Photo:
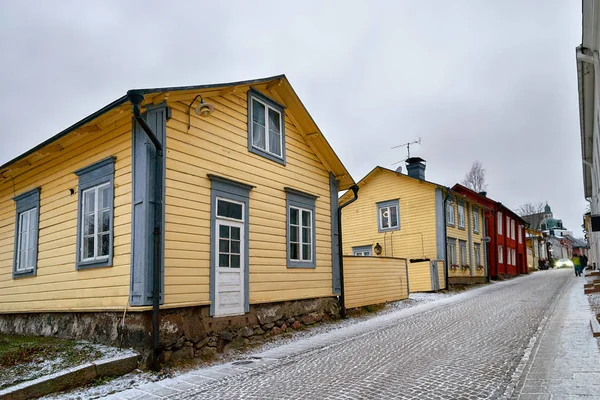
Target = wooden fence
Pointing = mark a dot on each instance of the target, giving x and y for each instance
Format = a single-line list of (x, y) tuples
[(374, 280)]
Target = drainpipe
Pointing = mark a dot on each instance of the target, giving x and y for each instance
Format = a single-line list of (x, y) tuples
[(136, 98), (354, 188), (446, 237)]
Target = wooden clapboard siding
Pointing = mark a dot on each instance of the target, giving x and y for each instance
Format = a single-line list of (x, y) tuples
[(219, 145), (463, 234), (374, 280), (416, 237), (58, 286)]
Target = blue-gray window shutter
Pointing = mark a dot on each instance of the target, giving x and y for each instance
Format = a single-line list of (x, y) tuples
[(148, 211)]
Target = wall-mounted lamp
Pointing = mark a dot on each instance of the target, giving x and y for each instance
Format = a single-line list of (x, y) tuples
[(203, 109), (378, 249)]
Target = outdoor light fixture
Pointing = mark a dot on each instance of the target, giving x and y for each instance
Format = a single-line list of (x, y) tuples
[(203, 109), (378, 249)]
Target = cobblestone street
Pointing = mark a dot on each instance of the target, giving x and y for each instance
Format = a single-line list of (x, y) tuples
[(465, 347)]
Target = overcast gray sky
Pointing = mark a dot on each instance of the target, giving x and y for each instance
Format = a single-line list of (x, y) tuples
[(489, 80)]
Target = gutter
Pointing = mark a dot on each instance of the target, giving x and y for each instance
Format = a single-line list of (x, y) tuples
[(354, 188), (136, 97), (446, 238)]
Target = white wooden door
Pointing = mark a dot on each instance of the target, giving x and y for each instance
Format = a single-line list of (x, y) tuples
[(229, 290)]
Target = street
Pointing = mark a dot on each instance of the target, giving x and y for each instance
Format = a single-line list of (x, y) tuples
[(465, 347)]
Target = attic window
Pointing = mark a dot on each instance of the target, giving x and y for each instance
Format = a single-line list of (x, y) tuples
[(266, 130)]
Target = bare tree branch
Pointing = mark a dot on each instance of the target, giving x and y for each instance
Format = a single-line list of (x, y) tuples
[(475, 179), (531, 208)]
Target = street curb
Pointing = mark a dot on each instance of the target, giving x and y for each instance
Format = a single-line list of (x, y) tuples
[(71, 378)]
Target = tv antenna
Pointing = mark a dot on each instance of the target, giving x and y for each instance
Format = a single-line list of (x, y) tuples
[(407, 145)]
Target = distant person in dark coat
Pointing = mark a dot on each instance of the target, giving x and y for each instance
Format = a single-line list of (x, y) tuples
[(584, 262)]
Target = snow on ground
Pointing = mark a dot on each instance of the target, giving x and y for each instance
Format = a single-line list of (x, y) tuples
[(40, 367), (138, 377)]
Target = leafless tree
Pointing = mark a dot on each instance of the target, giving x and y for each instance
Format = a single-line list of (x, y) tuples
[(531, 208), (475, 179)]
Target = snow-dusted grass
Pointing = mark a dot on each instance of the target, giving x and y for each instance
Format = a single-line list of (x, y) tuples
[(24, 358)]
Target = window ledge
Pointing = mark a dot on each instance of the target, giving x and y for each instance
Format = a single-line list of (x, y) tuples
[(301, 264), (266, 155), (389, 229), (94, 264), (23, 274)]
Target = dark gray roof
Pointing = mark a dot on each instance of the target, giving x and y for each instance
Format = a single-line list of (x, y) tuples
[(534, 220)]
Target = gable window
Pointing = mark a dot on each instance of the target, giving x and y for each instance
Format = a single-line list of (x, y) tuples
[(475, 220), (95, 215), (26, 233), (512, 229), (499, 223), (450, 214), (301, 229), (266, 131), (388, 215), (461, 215), (364, 251), (500, 255), (451, 251), (463, 252)]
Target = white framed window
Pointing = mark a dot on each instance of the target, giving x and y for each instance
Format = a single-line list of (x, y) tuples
[(363, 251), (450, 214), (451, 252), (499, 223), (300, 234), (477, 252), (512, 229), (26, 240), (500, 254), (301, 238), (230, 209), (96, 215), (388, 215), (514, 256), (461, 215), (462, 249), (520, 234), (475, 220), (266, 130), (26, 233), (507, 227)]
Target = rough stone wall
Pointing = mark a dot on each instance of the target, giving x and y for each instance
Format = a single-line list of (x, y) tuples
[(184, 332)]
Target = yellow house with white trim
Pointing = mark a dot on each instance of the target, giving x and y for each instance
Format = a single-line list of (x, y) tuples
[(233, 203)]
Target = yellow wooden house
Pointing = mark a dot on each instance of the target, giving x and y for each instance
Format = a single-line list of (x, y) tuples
[(405, 216), (227, 191)]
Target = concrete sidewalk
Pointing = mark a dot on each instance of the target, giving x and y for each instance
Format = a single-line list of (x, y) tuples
[(565, 360)]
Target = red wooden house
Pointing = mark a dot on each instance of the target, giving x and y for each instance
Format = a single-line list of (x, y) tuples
[(506, 250)]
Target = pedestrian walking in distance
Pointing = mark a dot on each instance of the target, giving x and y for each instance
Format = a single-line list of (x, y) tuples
[(577, 265), (584, 262)]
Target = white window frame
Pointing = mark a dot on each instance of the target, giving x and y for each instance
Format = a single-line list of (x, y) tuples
[(462, 252), (500, 254), (514, 257), (461, 216), (229, 201), (31, 238), (389, 213), (452, 213), (267, 127), (301, 243), (477, 253), (451, 253), (365, 253), (96, 233), (475, 220), (520, 233), (512, 229), (500, 219)]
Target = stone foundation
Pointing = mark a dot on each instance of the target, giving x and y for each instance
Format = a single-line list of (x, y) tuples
[(466, 280), (184, 332)]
